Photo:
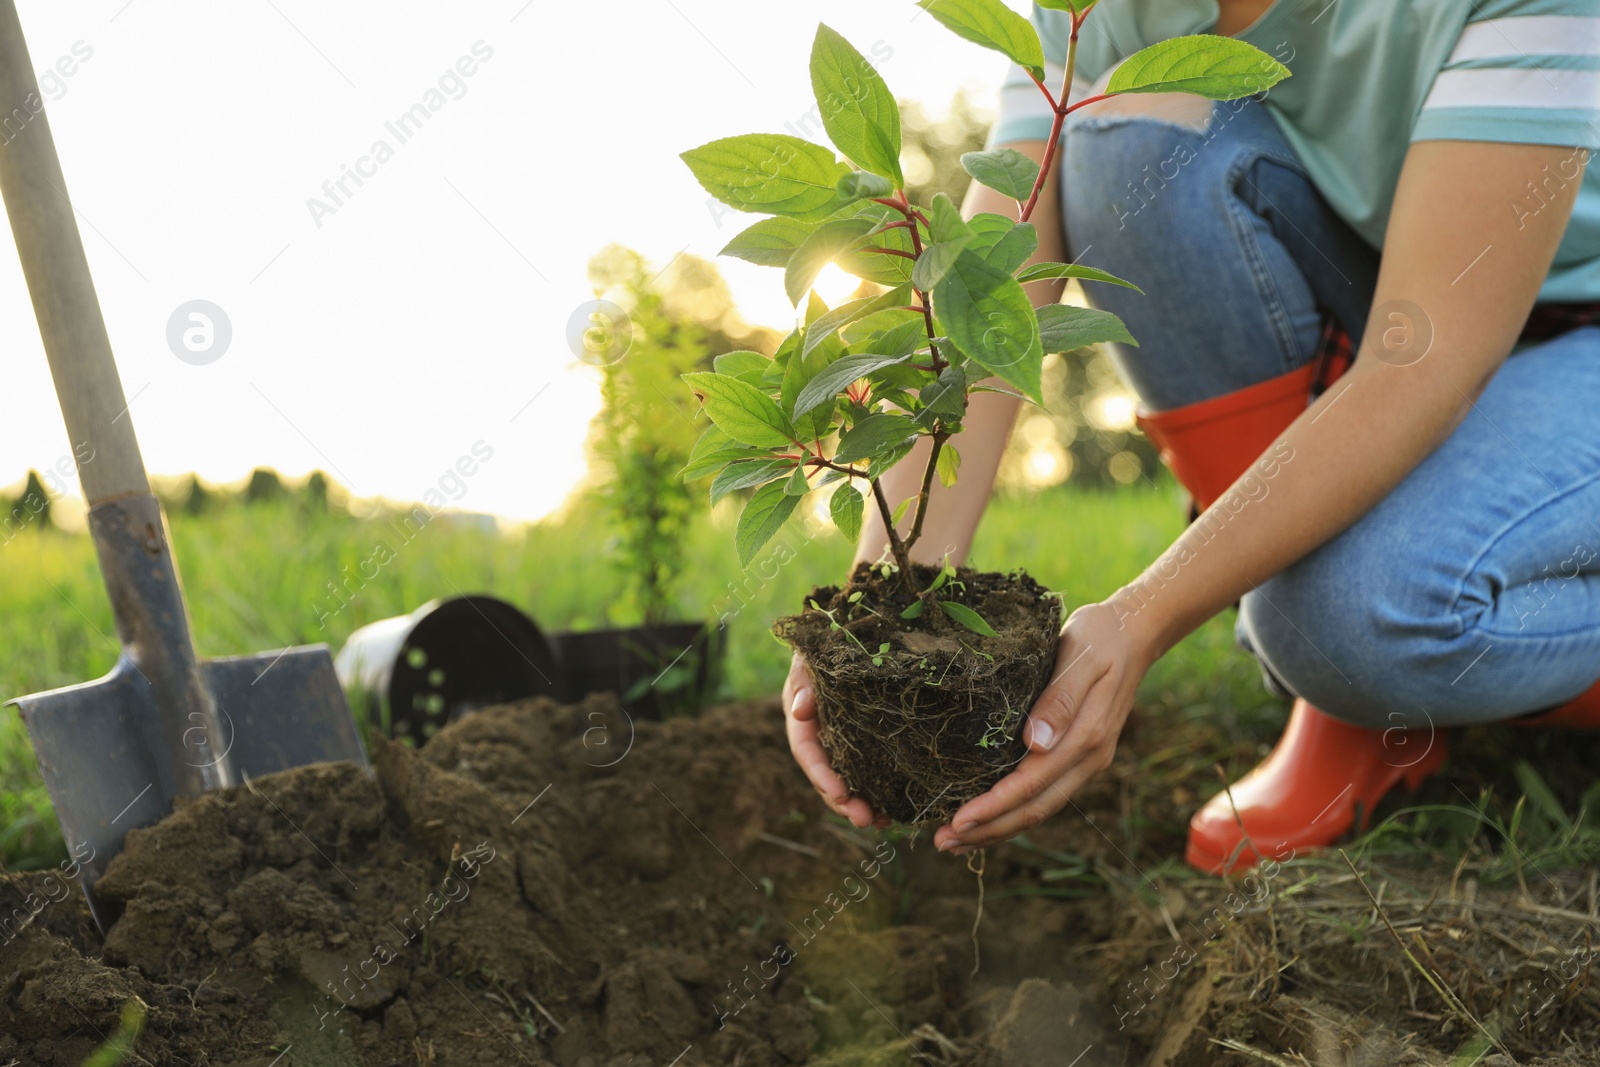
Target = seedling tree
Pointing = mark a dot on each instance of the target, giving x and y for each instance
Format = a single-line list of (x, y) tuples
[(850, 392)]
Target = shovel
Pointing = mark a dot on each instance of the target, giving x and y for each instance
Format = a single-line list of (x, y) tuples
[(116, 752)]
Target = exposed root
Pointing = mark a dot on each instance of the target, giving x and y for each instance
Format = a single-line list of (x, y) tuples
[(979, 857)]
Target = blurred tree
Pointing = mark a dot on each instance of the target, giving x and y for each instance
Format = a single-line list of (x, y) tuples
[(264, 485), (197, 499), (32, 508), (647, 423), (315, 492)]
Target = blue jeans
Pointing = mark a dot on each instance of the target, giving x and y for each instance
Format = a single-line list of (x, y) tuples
[(1471, 593)]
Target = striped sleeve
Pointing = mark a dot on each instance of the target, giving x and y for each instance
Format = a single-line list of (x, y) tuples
[(1522, 72)]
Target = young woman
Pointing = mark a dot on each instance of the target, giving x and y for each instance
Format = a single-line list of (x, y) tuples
[(1412, 535)]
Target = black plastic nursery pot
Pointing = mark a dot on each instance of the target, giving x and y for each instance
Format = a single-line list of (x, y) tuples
[(656, 671), (415, 673)]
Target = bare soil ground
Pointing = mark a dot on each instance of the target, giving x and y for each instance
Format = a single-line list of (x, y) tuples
[(553, 885)]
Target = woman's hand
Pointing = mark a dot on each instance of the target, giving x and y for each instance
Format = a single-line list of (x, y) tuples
[(1071, 732), (800, 713)]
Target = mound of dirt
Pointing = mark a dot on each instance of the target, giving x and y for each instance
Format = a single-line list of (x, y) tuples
[(552, 885)]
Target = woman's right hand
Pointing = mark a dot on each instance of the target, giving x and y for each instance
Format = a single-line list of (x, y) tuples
[(800, 714)]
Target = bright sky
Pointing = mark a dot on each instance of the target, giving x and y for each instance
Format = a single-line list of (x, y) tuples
[(428, 311)]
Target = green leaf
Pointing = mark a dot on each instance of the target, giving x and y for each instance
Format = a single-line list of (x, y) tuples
[(993, 25), (1219, 68), (900, 510), (945, 398), (769, 508), (936, 261), (968, 618), (902, 339), (1003, 169), (748, 367), (858, 111), (1041, 271), (744, 412), (1005, 243), (770, 242), (1063, 328), (816, 307), (1080, 6), (846, 507), (772, 377), (887, 392), (949, 465), (767, 172), (990, 320), (825, 325), (863, 185), (874, 436), (816, 423), (744, 474), (874, 267), (827, 243), (833, 379), (914, 611), (944, 220), (879, 464), (797, 484), (714, 450)]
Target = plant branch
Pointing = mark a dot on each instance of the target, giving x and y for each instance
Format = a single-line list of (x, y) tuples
[(1090, 100), (889, 252), (1061, 109), (939, 438), (927, 304), (901, 555), (1044, 89)]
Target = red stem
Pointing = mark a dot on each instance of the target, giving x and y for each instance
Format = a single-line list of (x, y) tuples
[(1090, 100), (1062, 108), (1043, 89)]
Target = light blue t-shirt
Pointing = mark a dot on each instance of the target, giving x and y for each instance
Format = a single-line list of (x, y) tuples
[(1372, 76)]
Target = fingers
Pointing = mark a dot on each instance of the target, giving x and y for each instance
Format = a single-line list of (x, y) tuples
[(1058, 705), (1052, 798), (1051, 721), (1044, 781), (798, 684), (800, 716)]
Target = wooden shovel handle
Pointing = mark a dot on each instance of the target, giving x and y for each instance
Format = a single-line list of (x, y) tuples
[(64, 302)]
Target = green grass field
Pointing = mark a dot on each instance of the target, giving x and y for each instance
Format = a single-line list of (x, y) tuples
[(258, 577)]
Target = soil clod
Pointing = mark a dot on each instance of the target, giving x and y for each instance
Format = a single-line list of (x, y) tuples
[(920, 715)]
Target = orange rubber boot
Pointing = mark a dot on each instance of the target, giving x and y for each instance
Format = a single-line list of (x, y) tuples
[(1324, 773), (1323, 777), (1208, 445), (1582, 712)]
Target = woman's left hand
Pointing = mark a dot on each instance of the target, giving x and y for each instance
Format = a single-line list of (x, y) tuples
[(1071, 733)]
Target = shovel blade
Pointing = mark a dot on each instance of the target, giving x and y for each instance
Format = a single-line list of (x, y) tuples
[(108, 768)]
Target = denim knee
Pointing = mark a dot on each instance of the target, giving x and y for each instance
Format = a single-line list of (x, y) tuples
[(1343, 630)]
